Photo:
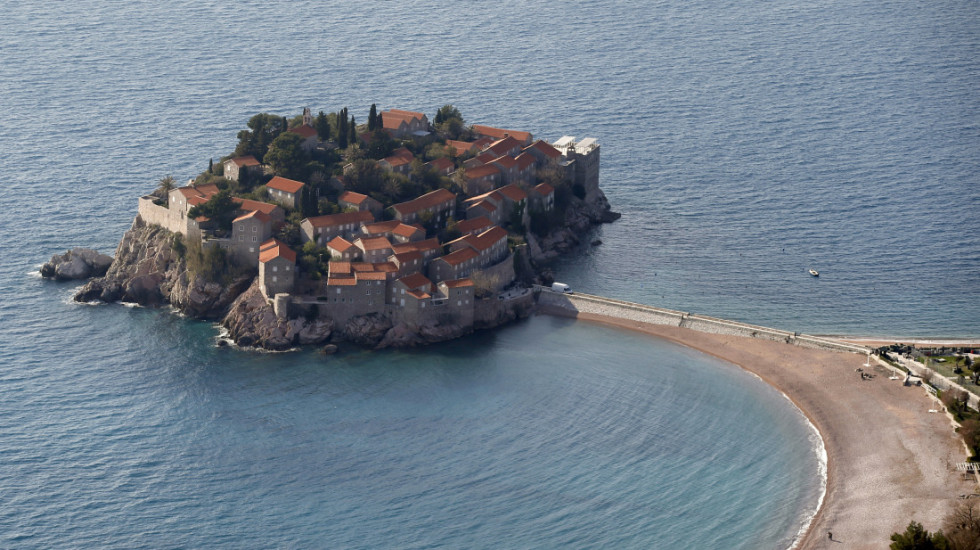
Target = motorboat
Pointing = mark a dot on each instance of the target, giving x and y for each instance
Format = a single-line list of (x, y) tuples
[(814, 272)]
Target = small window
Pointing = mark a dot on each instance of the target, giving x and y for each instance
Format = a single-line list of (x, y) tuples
[(274, 268), (254, 229), (274, 278), (254, 239), (241, 238), (338, 291), (287, 268)]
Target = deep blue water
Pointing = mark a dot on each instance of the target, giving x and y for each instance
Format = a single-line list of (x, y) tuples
[(743, 143)]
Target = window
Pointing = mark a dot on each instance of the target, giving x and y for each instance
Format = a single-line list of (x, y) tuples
[(251, 249), (287, 268), (241, 227), (273, 278), (241, 238), (338, 291), (254, 238), (274, 268)]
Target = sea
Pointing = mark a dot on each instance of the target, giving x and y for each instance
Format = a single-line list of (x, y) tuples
[(743, 142)]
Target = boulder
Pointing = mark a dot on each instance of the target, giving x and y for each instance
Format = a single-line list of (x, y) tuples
[(77, 263)]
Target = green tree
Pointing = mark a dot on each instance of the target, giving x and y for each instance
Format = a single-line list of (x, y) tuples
[(352, 131), (379, 124), (210, 166), (970, 432), (449, 122), (286, 156), (322, 126), (263, 128), (165, 186), (916, 537), (373, 118), (284, 125), (365, 176), (220, 209), (342, 133)]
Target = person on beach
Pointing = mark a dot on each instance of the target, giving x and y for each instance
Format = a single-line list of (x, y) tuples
[(830, 535)]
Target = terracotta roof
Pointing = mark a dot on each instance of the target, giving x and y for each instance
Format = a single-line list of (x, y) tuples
[(544, 189), (371, 276), (500, 133), (404, 113), (249, 204), (493, 196), (460, 256), (304, 131), (405, 230), (284, 184), (331, 220), (274, 248), (402, 152), (485, 205), (339, 268), (196, 200), (504, 146), (441, 164), (524, 160), (392, 122), (485, 157), (418, 294), (379, 228), (352, 197), (397, 161), (506, 161), (341, 281), (545, 148), (373, 243), (458, 283), (481, 171), (416, 280), (261, 216), (461, 146), (385, 267), (428, 200), (340, 244), (487, 239), (362, 266), (474, 224), (248, 160), (421, 246), (512, 192)]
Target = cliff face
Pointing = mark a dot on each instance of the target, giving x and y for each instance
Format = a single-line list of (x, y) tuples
[(251, 321), (580, 216), (148, 271)]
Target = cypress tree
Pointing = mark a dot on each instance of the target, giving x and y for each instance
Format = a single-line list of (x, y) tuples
[(373, 118), (284, 125), (379, 124), (352, 138), (439, 116), (322, 126), (342, 134), (210, 166)]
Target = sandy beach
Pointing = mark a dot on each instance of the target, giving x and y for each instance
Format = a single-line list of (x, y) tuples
[(890, 460)]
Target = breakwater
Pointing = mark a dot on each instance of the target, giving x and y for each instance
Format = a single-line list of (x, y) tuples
[(572, 304)]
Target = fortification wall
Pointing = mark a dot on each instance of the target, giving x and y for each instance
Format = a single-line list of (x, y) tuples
[(155, 214)]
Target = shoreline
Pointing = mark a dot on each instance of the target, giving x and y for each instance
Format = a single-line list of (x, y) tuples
[(889, 461)]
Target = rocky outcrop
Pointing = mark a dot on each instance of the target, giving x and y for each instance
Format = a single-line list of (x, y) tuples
[(77, 263), (149, 271), (580, 216), (251, 321), (366, 330), (404, 336), (493, 313)]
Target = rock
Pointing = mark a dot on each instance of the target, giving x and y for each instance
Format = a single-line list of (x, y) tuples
[(329, 349), (77, 263), (251, 321), (368, 330), (597, 242)]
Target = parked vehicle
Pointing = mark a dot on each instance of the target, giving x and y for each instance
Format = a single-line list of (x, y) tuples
[(561, 287)]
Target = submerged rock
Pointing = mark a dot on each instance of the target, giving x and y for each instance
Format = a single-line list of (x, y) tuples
[(77, 263)]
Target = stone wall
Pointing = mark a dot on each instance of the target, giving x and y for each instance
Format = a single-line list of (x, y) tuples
[(155, 214), (572, 304)]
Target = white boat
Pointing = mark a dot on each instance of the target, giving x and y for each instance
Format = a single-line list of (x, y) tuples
[(814, 272)]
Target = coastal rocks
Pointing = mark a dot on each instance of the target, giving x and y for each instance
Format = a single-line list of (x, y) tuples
[(367, 330), (493, 313), (149, 271), (77, 263), (251, 321), (580, 216), (404, 336)]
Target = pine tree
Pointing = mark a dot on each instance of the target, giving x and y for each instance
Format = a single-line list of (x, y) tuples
[(322, 126), (284, 125), (352, 138), (373, 118)]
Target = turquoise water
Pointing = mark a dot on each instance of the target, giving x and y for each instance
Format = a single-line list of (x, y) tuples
[(743, 143)]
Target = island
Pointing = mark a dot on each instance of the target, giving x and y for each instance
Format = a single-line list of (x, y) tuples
[(395, 233)]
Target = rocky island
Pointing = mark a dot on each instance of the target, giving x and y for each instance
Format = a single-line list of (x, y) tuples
[(317, 230)]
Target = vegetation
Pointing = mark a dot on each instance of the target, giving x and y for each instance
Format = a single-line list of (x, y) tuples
[(286, 156), (449, 122), (220, 209), (263, 128), (916, 537)]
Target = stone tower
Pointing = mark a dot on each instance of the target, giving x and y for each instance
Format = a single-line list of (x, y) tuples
[(307, 117)]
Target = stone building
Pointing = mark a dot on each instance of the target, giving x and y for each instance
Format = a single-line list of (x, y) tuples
[(439, 205), (234, 167), (322, 229), (277, 268), (285, 191)]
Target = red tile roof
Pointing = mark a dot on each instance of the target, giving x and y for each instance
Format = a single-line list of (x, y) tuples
[(402, 152), (380, 228), (331, 220), (405, 230), (486, 205), (475, 224), (500, 133), (303, 131), (410, 114), (416, 280), (458, 283), (249, 204), (341, 281), (461, 146), (405, 257), (373, 243), (261, 216), (490, 237), (371, 276), (545, 148), (481, 171), (340, 244), (339, 269), (284, 184), (247, 160), (397, 161), (524, 160), (352, 197), (421, 246), (458, 257), (485, 157), (512, 192), (428, 200), (441, 164), (274, 248), (505, 161), (544, 189), (504, 146)]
